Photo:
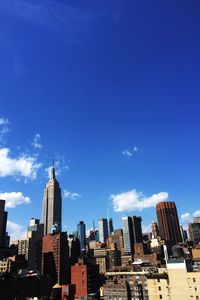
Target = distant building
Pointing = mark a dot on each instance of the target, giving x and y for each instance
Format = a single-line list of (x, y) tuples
[(110, 227), (103, 230), (23, 247), (116, 238), (168, 222), (137, 229), (127, 226), (52, 203), (74, 249), (81, 234), (154, 230), (194, 231), (34, 235), (184, 235), (55, 257)]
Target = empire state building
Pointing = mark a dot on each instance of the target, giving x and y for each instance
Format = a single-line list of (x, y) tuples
[(52, 203)]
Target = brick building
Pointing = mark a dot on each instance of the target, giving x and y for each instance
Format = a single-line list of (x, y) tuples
[(55, 257), (86, 278)]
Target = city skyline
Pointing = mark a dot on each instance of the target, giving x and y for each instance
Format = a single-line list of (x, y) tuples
[(111, 93)]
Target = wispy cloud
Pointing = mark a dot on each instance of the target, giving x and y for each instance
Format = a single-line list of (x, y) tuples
[(37, 142), (23, 166), (59, 17), (59, 164), (71, 195), (133, 200), (14, 198), (128, 153), (16, 231), (4, 129)]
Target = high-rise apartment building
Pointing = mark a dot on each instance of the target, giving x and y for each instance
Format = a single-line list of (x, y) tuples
[(81, 234), (52, 204), (103, 230), (3, 223), (168, 222), (55, 257)]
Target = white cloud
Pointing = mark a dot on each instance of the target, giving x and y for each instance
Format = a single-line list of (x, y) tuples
[(71, 195), (23, 166), (133, 200), (196, 213), (186, 217), (14, 198), (129, 152), (16, 231), (37, 142), (189, 217)]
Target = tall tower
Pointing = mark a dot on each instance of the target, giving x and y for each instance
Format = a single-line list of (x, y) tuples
[(168, 222), (103, 230), (52, 204), (81, 234)]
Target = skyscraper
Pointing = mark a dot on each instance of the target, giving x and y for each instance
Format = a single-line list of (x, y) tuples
[(103, 230), (127, 226), (3, 223), (52, 204), (137, 229), (168, 222), (81, 234)]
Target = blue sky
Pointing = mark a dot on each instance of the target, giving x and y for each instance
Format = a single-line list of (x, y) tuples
[(110, 90)]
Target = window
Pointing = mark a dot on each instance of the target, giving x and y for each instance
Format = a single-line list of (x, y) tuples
[(159, 288), (160, 296)]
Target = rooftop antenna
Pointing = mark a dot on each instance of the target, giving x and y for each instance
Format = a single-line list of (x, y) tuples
[(53, 173), (93, 224)]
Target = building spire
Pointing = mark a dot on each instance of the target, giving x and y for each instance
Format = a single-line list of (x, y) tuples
[(53, 172)]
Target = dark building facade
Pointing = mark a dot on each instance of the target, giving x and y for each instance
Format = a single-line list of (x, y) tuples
[(168, 222), (52, 204), (3, 222), (81, 234), (110, 226), (137, 229)]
